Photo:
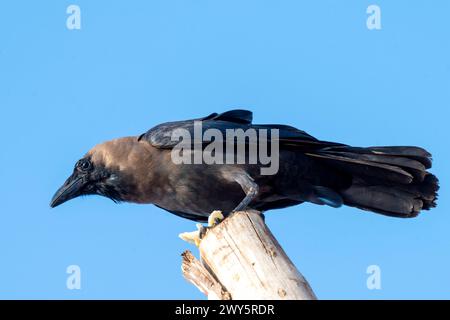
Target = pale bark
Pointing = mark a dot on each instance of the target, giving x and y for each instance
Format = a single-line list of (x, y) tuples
[(241, 259)]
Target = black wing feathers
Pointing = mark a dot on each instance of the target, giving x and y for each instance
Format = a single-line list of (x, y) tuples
[(160, 136)]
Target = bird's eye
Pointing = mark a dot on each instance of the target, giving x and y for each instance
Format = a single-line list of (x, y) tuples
[(83, 165)]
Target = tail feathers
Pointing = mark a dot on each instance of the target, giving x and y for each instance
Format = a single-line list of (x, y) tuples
[(388, 180), (394, 201), (369, 169), (408, 168), (415, 153)]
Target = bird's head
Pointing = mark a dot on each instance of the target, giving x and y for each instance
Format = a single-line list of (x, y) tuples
[(102, 171)]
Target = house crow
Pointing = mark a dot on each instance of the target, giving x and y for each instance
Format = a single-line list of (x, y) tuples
[(392, 181)]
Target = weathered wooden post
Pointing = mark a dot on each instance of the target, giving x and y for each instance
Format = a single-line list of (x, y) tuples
[(241, 259)]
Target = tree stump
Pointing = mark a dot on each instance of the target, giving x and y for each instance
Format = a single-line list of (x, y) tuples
[(241, 259)]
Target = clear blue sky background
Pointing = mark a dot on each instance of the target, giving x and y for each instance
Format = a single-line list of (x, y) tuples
[(135, 64)]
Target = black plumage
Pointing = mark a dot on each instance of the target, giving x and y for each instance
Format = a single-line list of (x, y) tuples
[(393, 181)]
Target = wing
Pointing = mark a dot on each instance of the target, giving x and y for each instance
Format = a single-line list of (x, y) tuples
[(161, 135)]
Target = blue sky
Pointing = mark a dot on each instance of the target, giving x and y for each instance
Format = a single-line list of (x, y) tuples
[(135, 64)]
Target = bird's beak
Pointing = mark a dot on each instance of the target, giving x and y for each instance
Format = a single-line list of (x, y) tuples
[(70, 189)]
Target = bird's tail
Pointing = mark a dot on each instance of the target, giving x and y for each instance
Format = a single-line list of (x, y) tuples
[(393, 181)]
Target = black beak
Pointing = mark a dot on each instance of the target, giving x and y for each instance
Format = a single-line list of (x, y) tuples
[(70, 189)]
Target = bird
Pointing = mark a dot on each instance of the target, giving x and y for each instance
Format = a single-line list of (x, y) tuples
[(389, 180)]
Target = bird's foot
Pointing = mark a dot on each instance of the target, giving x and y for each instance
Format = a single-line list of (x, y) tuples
[(215, 218), (195, 237)]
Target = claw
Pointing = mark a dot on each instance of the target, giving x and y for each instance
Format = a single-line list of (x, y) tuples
[(215, 218), (195, 237)]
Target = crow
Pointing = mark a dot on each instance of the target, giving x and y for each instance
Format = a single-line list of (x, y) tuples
[(391, 181)]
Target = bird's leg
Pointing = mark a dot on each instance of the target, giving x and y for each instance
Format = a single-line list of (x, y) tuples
[(251, 191), (250, 188)]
